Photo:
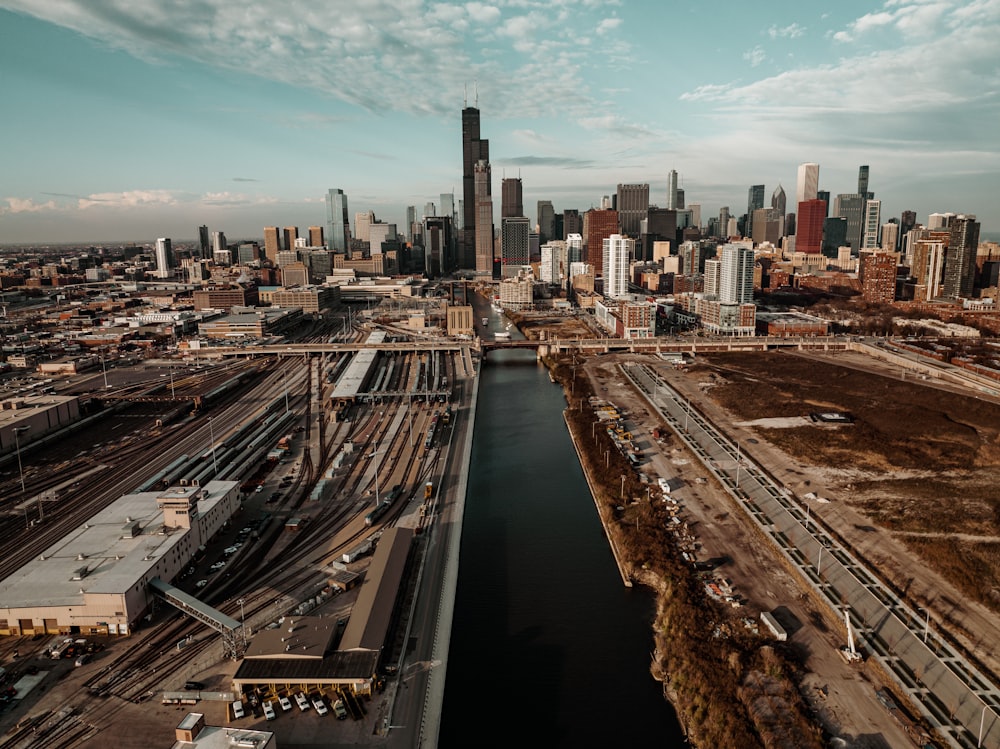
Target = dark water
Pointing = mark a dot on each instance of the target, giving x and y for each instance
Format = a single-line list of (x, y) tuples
[(548, 647)]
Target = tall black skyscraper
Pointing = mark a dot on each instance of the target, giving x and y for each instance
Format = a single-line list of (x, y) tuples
[(474, 150), (206, 250), (863, 182), (755, 200)]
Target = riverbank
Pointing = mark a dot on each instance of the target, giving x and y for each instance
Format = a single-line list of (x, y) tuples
[(729, 686)]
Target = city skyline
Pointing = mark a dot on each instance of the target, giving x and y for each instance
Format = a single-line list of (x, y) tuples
[(135, 121)]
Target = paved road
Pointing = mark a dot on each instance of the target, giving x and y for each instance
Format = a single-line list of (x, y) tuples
[(954, 697)]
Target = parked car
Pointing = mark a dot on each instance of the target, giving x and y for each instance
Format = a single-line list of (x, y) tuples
[(301, 701), (83, 659), (269, 710), (238, 710), (320, 706), (201, 583), (286, 704)]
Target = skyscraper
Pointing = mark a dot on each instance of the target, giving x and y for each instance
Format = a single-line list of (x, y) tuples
[(778, 200), (337, 226), (316, 238), (672, 190), (890, 236), (474, 150), (411, 219), (514, 252), (960, 258), (851, 206), (598, 225), (863, 182), (165, 262), (809, 226), (755, 200), (511, 201), (572, 223), (808, 182), (448, 205), (723, 230), (736, 274), (907, 221), (362, 223), (633, 206), (616, 252), (203, 241), (482, 199), (872, 224), (290, 234), (546, 216), (272, 243), (218, 243)]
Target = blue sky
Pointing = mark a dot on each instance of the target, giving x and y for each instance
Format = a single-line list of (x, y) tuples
[(129, 119)]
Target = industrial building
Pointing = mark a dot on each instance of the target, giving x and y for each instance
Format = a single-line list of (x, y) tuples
[(96, 579), (26, 419), (302, 652)]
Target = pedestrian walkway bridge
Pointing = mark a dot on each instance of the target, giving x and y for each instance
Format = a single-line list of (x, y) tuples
[(233, 633)]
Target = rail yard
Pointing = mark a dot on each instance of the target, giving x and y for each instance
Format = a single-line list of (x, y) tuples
[(327, 451)]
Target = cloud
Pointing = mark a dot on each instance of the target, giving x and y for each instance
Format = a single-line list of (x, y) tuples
[(791, 31), (608, 24), (564, 162), (616, 125), (372, 55), (245, 179), (913, 18), (755, 56), (129, 199), (26, 205)]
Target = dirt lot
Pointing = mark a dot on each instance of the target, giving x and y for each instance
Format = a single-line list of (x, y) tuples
[(904, 435)]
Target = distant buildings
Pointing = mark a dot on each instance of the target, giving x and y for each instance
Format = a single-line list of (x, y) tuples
[(617, 251), (474, 151), (633, 204), (808, 182), (165, 260)]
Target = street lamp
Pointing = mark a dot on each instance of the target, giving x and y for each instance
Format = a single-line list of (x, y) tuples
[(927, 623), (284, 381), (104, 369), (17, 447), (211, 434)]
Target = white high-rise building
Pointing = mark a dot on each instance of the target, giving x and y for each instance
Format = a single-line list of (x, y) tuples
[(890, 237), (712, 269), (552, 269), (164, 258), (617, 252), (808, 183), (672, 190), (574, 248), (736, 274), (871, 225)]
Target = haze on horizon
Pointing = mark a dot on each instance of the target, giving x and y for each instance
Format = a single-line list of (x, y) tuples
[(137, 119)]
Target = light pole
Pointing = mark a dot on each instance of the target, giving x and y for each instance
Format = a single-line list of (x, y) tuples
[(284, 381), (737, 465), (243, 621), (982, 720), (17, 447), (171, 370), (104, 369), (622, 495), (927, 624), (211, 434)]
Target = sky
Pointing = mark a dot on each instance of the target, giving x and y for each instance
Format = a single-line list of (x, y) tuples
[(127, 120)]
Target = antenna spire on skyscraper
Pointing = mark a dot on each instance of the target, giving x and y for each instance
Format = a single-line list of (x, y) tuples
[(477, 93)]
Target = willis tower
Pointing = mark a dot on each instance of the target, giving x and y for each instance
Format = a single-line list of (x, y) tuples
[(473, 150)]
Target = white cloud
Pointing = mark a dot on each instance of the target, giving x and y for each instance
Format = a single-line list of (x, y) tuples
[(367, 53), (608, 24), (26, 205), (791, 31), (129, 199), (481, 13), (755, 56)]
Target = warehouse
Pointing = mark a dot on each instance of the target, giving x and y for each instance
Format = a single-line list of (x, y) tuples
[(95, 579)]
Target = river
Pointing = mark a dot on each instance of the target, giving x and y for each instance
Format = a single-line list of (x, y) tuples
[(545, 638)]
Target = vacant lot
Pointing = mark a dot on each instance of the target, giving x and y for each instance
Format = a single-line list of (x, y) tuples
[(918, 462)]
